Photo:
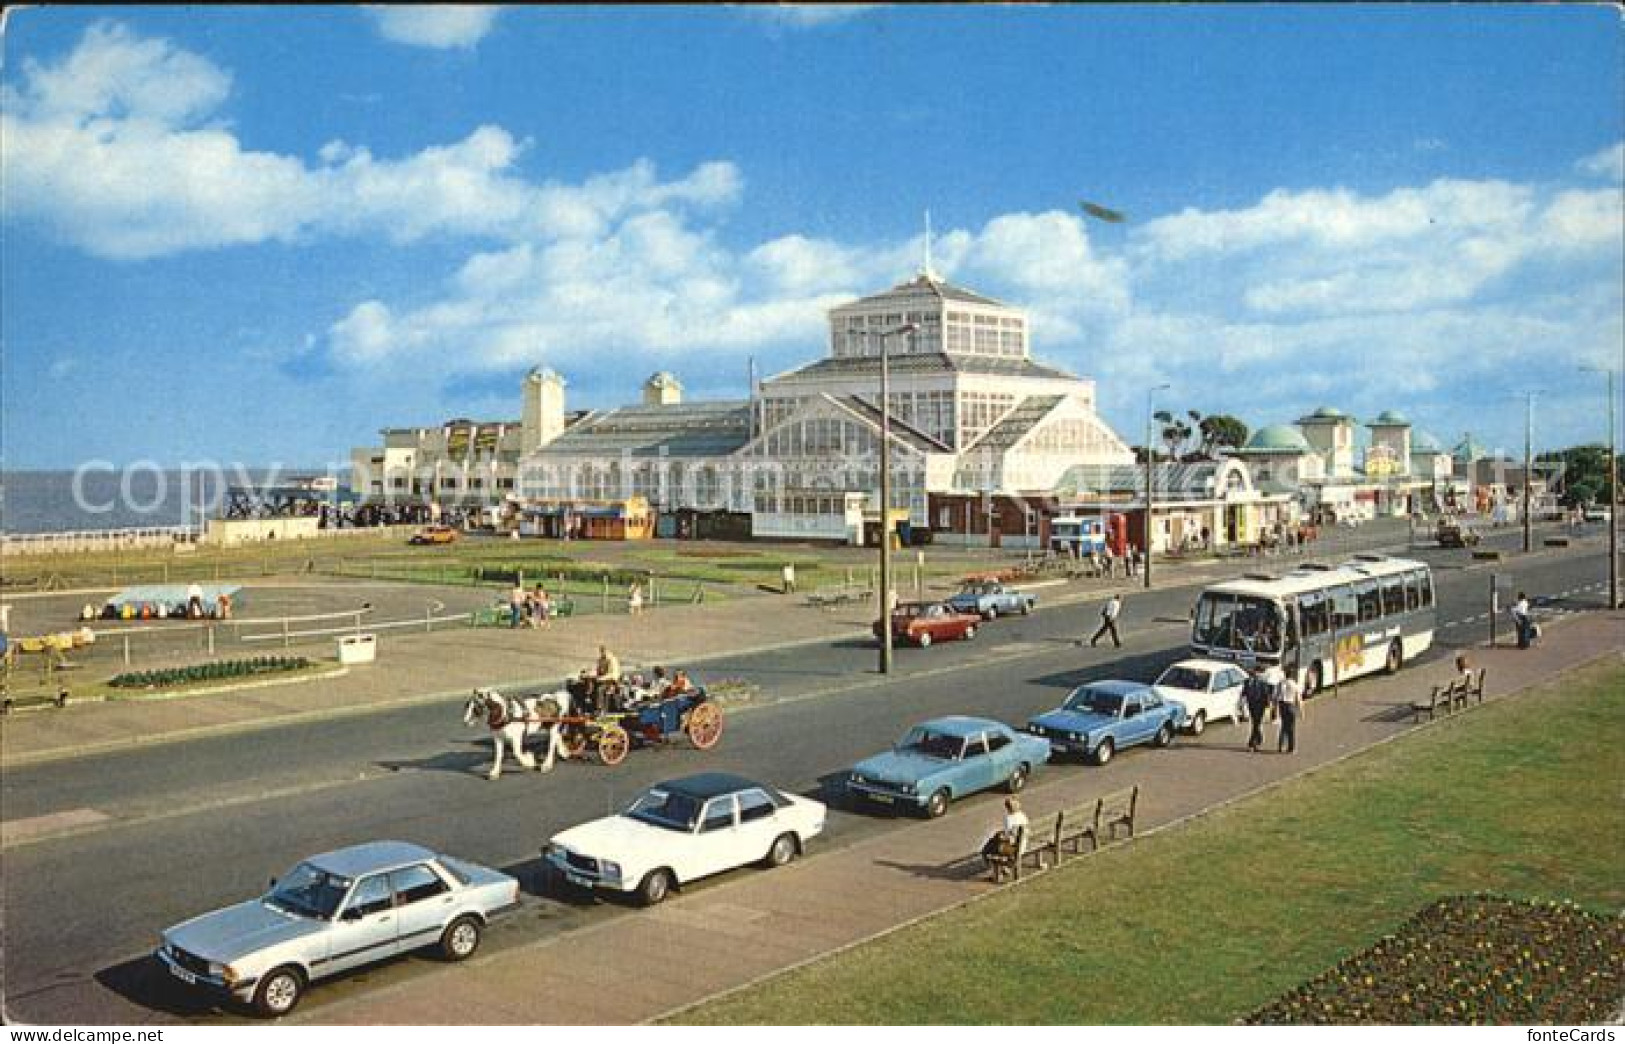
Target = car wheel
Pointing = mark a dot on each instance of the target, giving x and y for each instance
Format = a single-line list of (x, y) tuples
[(1165, 735), (1018, 779), (1311, 681), (1198, 723), (783, 850), (1103, 753), (1026, 608), (460, 939), (937, 804), (1396, 658), (654, 887), (992, 612), (970, 632), (279, 992), (924, 639)]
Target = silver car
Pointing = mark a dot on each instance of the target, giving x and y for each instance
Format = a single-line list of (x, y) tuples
[(333, 912)]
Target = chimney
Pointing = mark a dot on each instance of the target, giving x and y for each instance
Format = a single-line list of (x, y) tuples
[(543, 417)]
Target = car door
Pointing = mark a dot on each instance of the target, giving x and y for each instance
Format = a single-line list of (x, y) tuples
[(1227, 693), (367, 927), (716, 844), (758, 824), (1131, 727), (977, 766), (423, 901), (1003, 754)]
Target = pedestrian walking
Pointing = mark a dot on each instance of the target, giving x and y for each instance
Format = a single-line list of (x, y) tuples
[(788, 573), (516, 606), (540, 609), (634, 600), (1108, 622), (1289, 704), (1258, 694), (1521, 620)]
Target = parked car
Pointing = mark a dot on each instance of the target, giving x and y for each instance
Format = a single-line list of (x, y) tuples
[(683, 830), (948, 758), (989, 601), (1208, 690), (1598, 513), (332, 913), (1453, 533), (925, 622), (1101, 718), (434, 535)]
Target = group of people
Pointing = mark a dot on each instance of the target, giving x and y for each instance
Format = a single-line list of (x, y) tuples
[(1272, 689), (1106, 563), (531, 608), (604, 686)]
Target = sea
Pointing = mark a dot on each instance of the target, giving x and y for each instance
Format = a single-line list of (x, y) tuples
[(130, 498)]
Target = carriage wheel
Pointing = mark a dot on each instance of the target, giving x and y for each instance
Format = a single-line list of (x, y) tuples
[(573, 738), (613, 743), (705, 725)]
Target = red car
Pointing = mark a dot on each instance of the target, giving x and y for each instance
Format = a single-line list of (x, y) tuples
[(925, 622)]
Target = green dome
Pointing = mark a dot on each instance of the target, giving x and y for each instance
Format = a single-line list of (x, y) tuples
[(1278, 438), (1326, 413), (1388, 418), (1422, 442)]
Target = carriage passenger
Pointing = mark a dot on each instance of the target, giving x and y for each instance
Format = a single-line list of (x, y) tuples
[(679, 684)]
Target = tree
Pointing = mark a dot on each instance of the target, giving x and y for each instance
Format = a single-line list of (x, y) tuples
[(1221, 429), (1585, 473), (1175, 431)]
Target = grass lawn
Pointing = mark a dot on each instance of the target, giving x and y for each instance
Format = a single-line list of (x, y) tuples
[(1206, 923)]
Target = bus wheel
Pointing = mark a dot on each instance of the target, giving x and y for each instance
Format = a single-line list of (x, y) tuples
[(1311, 681), (1396, 658)]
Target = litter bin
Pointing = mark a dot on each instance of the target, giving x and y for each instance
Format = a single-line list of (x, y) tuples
[(358, 648)]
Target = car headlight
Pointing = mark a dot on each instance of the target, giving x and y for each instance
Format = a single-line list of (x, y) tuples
[(1080, 737), (611, 871), (858, 779), (224, 972), (907, 788)]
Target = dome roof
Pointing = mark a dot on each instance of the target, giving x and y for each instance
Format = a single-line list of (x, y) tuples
[(1388, 418), (1278, 438), (1324, 414), (1422, 442)]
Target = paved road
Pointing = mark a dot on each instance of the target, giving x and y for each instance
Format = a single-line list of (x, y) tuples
[(169, 831)]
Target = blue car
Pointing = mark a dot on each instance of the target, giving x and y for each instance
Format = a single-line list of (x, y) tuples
[(1101, 718), (989, 601), (945, 759)]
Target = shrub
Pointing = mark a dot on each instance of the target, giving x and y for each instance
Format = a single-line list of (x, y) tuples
[(208, 672)]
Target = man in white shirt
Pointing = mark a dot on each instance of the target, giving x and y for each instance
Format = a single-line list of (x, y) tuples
[(1521, 619), (1289, 704), (1108, 622)]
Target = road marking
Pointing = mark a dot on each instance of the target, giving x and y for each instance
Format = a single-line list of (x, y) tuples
[(36, 827)]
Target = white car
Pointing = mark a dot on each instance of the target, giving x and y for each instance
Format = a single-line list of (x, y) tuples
[(1209, 690), (334, 912), (683, 830), (1598, 513)]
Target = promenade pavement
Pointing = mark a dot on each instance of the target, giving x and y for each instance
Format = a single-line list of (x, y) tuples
[(754, 924)]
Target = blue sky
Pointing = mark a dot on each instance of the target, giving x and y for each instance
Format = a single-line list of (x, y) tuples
[(259, 235)]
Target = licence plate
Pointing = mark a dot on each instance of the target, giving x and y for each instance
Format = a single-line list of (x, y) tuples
[(884, 799), (183, 975)]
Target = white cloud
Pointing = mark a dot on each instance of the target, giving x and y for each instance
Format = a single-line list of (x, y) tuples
[(1608, 163), (113, 73), (807, 16), (440, 26)]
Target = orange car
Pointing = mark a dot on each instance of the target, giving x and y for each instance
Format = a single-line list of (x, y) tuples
[(922, 623), (434, 535)]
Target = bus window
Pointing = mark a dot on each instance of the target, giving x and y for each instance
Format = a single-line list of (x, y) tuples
[(1343, 608), (1370, 600), (1427, 590), (1393, 596), (1213, 620), (1413, 592), (1257, 624), (1315, 614)]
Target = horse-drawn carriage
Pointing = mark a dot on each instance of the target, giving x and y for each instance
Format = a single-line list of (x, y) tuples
[(607, 718)]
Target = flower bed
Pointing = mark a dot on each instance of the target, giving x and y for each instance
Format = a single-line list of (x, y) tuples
[(1472, 960), (207, 672)]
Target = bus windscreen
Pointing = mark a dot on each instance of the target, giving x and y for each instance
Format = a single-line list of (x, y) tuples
[(1243, 623)]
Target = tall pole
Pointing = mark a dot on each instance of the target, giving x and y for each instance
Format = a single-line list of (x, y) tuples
[(885, 495), (1150, 478), (1528, 450), (1613, 501)]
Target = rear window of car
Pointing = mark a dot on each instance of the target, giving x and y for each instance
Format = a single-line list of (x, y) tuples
[(755, 804), (458, 871)]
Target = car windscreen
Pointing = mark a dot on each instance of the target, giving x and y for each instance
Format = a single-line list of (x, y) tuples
[(1191, 678), (310, 892), (1094, 701), (665, 809), (931, 744)]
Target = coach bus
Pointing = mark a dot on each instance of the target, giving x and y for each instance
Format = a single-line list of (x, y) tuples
[(1321, 623)]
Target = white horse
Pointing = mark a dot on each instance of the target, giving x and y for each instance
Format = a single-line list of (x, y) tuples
[(514, 720)]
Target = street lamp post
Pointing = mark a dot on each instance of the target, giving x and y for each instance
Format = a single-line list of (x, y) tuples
[(885, 492), (1528, 477), (1150, 477)]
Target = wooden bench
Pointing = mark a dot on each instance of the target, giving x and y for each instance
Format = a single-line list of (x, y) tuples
[(1098, 821), (1471, 687), (1443, 697)]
